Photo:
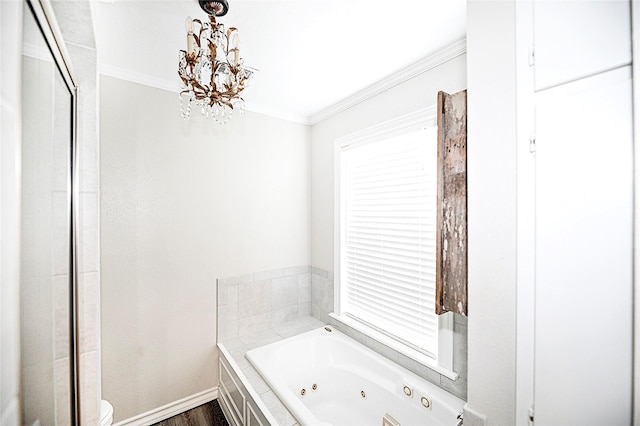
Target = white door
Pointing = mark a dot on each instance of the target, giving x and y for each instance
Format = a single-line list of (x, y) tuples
[(584, 214), (583, 302)]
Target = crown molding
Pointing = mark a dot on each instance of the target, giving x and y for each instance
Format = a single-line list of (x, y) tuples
[(448, 53), (174, 86), (271, 112), (452, 51), (140, 78)]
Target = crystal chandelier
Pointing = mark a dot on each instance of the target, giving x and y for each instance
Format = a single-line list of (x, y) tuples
[(211, 69)]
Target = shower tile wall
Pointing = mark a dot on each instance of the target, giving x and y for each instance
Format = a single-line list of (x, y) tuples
[(75, 22), (251, 305)]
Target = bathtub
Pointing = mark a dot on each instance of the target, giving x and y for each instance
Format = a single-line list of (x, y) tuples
[(326, 378)]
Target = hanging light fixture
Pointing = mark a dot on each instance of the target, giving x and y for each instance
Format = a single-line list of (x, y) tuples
[(211, 68)]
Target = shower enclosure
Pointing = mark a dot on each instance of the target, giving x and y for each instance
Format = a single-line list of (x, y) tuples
[(49, 362)]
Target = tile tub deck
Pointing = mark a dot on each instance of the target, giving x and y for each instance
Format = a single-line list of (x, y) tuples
[(233, 351)]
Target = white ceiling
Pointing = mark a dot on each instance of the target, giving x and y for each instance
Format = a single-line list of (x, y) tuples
[(311, 54)]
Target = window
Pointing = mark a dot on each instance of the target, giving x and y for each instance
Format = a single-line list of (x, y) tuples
[(385, 235)]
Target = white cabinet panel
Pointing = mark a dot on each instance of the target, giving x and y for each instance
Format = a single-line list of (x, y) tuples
[(233, 392), (583, 302), (255, 417), (574, 39)]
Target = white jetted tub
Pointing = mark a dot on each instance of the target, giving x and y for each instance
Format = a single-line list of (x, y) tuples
[(327, 379)]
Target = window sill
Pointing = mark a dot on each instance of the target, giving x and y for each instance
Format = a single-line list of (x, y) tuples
[(395, 345)]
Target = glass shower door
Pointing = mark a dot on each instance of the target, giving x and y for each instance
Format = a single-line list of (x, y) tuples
[(46, 268)]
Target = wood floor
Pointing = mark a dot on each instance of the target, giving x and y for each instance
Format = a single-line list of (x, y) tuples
[(209, 414)]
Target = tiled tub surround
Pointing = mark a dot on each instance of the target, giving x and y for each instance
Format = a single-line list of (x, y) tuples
[(321, 294), (291, 301), (254, 310), (248, 305)]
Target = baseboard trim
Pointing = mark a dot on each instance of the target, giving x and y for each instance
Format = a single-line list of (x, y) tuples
[(162, 413)]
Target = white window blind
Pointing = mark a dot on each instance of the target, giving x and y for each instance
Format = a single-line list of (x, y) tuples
[(388, 210)]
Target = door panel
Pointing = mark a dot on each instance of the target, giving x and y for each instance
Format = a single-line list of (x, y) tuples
[(575, 39), (584, 228)]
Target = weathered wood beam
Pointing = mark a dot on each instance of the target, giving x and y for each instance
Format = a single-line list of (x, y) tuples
[(451, 228)]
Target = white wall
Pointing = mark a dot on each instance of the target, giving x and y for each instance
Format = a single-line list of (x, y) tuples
[(10, 105), (491, 190), (416, 93), (182, 204)]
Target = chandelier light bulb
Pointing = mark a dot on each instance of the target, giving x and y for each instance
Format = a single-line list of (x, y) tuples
[(190, 37), (235, 39), (235, 42)]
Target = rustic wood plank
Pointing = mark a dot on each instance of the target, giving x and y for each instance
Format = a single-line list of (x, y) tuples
[(451, 225)]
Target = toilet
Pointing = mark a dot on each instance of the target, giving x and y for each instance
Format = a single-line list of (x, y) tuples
[(106, 413)]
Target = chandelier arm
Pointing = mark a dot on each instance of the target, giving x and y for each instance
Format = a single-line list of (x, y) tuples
[(197, 85), (201, 29), (227, 103)]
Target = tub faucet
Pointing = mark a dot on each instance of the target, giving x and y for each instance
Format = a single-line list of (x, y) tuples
[(387, 420), (460, 419)]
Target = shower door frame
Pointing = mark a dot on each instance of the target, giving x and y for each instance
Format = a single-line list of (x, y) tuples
[(45, 18)]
